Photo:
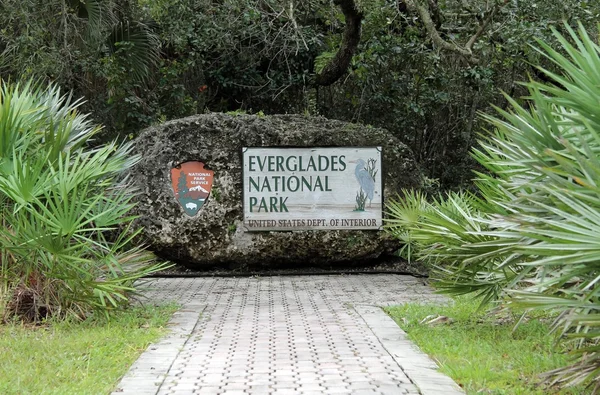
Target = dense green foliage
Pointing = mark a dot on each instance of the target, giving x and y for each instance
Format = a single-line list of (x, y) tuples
[(531, 231), (141, 62), (64, 234)]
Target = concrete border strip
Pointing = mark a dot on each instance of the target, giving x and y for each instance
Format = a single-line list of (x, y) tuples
[(419, 368), (150, 370)]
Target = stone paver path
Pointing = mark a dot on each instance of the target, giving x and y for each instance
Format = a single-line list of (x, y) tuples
[(286, 335)]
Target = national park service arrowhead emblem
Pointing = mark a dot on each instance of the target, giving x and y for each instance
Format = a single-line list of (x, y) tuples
[(191, 184)]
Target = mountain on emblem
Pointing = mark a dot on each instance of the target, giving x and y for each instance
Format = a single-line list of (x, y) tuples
[(191, 184)]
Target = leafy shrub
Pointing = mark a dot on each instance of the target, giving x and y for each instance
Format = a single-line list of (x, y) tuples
[(532, 231), (64, 239)]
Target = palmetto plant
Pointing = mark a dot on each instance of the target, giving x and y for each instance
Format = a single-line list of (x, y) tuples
[(65, 237), (134, 45), (404, 214), (532, 233)]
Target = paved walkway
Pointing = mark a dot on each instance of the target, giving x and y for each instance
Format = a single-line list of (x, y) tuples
[(286, 335)]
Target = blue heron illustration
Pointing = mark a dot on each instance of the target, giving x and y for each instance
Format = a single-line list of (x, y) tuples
[(365, 179)]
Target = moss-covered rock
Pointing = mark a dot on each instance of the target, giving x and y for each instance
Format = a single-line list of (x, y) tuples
[(215, 236)]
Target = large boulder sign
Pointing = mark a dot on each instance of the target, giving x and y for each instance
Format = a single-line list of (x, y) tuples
[(259, 192)]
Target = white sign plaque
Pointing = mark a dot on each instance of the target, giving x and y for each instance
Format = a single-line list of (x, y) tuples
[(312, 188)]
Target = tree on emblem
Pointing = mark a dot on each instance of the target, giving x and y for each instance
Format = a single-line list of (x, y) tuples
[(182, 188)]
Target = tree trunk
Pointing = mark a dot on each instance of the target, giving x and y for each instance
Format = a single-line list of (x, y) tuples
[(338, 66)]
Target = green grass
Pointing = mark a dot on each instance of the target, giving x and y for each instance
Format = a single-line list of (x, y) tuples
[(77, 358), (481, 352)]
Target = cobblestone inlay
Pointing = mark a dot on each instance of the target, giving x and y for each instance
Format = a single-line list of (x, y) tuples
[(287, 335)]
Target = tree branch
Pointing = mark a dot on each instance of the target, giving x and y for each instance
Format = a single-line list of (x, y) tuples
[(436, 14), (423, 10), (484, 24), (339, 64)]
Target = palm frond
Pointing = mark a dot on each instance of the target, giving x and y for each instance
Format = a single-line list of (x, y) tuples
[(136, 47)]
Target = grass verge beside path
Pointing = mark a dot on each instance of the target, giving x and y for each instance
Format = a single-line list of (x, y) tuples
[(77, 358), (481, 352)]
